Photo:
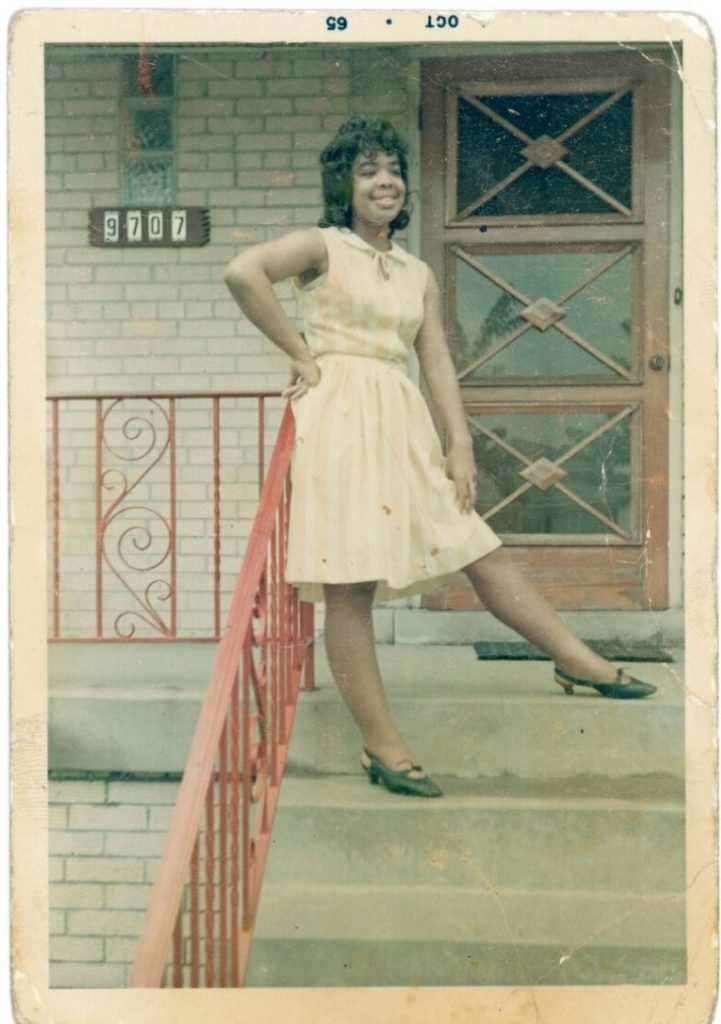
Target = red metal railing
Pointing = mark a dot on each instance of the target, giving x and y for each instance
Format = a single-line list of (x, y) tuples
[(135, 443), (199, 923)]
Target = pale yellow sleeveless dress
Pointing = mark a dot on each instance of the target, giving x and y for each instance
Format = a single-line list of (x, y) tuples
[(370, 498)]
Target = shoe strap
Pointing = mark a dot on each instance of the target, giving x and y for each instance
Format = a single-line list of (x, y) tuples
[(411, 767), (622, 678)]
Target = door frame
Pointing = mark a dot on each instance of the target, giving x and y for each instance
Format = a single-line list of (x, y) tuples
[(639, 578)]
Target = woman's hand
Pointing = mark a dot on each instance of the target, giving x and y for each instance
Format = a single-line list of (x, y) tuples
[(304, 374), (461, 469)]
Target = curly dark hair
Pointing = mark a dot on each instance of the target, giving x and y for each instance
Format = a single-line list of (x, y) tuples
[(358, 135)]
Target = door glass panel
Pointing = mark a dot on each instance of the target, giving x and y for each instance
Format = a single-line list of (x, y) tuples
[(486, 154), (501, 134), (586, 492), (490, 299), (589, 149), (602, 312)]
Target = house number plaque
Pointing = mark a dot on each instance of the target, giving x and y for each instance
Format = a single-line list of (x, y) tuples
[(126, 226)]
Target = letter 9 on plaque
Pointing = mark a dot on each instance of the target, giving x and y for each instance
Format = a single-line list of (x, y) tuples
[(111, 226), (118, 227)]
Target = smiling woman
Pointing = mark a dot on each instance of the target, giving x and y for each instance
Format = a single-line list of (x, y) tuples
[(378, 511), (378, 190), (352, 160)]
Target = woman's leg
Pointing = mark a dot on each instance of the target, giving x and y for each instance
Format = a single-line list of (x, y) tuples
[(514, 600), (350, 646)]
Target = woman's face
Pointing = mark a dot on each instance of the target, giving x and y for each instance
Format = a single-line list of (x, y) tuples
[(378, 188)]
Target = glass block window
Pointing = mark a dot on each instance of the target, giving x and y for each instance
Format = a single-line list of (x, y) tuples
[(148, 74), (147, 131), (543, 154)]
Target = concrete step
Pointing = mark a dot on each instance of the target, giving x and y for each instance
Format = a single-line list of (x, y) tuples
[(328, 963), (127, 707), (472, 914), (119, 709), (471, 718), (122, 729), (500, 882), (589, 837), (418, 935), (559, 877)]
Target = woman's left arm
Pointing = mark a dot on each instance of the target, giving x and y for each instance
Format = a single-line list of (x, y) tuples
[(440, 376)]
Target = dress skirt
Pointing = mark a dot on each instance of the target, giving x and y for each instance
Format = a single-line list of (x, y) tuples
[(370, 498)]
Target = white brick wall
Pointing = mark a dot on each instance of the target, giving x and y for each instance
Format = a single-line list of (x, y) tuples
[(106, 838), (250, 126)]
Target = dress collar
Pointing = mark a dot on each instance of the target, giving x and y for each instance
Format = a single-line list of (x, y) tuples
[(395, 251)]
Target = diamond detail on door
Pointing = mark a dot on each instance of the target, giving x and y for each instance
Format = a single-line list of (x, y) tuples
[(543, 473), (543, 313), (544, 151)]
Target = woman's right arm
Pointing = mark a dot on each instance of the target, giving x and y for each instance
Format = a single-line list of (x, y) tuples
[(250, 277)]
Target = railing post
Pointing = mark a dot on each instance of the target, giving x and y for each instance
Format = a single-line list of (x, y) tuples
[(99, 526), (195, 915), (173, 539), (216, 517), (223, 825), (55, 428), (234, 833), (307, 611), (261, 443), (210, 883)]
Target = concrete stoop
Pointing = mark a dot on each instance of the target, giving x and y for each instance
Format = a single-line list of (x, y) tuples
[(556, 855)]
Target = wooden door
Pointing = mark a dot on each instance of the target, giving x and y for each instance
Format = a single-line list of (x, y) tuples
[(545, 194)]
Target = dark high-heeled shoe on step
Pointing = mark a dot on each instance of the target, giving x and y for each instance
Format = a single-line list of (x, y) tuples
[(623, 687), (398, 781)]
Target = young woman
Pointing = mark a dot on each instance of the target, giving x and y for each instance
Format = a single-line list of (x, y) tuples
[(377, 510)]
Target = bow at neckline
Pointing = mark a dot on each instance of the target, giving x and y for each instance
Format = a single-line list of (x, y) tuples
[(381, 263), (381, 260)]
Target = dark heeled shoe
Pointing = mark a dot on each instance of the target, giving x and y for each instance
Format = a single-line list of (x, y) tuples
[(624, 686), (398, 781)]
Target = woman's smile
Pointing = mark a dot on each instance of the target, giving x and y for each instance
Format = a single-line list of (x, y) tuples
[(378, 189), (387, 202)]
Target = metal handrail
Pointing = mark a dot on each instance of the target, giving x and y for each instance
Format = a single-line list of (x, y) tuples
[(199, 923)]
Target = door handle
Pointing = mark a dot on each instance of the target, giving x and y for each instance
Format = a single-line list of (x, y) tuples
[(656, 362)]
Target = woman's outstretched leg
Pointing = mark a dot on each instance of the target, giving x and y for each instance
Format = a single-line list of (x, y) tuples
[(513, 599), (350, 646)]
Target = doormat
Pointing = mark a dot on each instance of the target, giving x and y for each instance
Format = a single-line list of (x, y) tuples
[(614, 650)]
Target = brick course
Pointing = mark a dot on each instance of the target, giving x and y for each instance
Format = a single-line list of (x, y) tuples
[(105, 851)]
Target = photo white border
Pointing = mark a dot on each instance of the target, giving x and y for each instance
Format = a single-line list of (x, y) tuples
[(30, 30)]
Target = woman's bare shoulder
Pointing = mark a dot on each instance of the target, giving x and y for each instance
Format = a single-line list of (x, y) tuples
[(310, 244), (290, 255), (308, 241)]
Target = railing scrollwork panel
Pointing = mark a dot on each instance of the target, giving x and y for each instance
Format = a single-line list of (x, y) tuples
[(134, 539), (136, 506)]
